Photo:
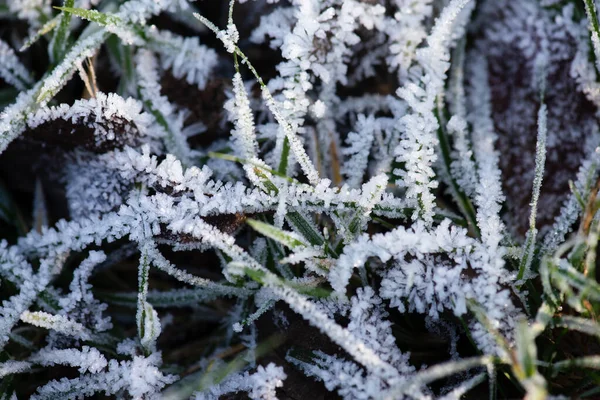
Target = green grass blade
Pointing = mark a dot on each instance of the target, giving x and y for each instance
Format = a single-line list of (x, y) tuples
[(58, 45), (96, 16), (288, 239)]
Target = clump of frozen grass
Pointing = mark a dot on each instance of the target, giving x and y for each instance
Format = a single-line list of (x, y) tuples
[(201, 195)]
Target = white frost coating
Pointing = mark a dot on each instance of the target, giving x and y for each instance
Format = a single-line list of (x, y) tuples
[(343, 337), (571, 209), (29, 288), (229, 37), (488, 200), (88, 359), (12, 118), (458, 392), (316, 40), (212, 290), (417, 145), (92, 187), (11, 69), (261, 385), (462, 167), (540, 163), (421, 276), (294, 141), (368, 322), (101, 113), (489, 196), (185, 56), (138, 11), (359, 148), (170, 129), (59, 76), (80, 302), (14, 367), (406, 31), (139, 377), (244, 136), (57, 323)]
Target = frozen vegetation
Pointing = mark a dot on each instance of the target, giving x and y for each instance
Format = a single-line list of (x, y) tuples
[(358, 199)]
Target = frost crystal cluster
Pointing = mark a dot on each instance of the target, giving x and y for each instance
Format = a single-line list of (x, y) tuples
[(357, 199)]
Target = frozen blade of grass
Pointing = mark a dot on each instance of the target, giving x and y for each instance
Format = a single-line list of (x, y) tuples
[(175, 298), (573, 206), (244, 132), (58, 323), (46, 28), (436, 372), (88, 359), (151, 328), (294, 142), (91, 15), (59, 42), (339, 335), (492, 374), (566, 275), (285, 155), (12, 71), (576, 193), (145, 315), (117, 24), (359, 143), (462, 389), (13, 367), (526, 367), (592, 362), (288, 239), (160, 262), (546, 268), (12, 308), (305, 227), (578, 324), (12, 118), (20, 340), (166, 117), (542, 319), (267, 278), (239, 327), (488, 184), (594, 27), (255, 164), (420, 125), (372, 192), (458, 192), (482, 318), (592, 244), (216, 371), (84, 48), (540, 161)]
